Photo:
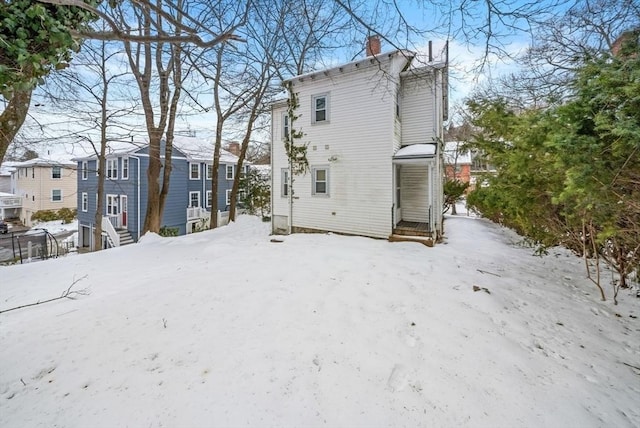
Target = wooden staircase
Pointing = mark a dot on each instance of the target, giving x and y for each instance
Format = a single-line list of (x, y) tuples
[(409, 231)]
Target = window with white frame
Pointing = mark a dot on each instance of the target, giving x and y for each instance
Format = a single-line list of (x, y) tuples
[(228, 197), (56, 172), (209, 172), (320, 108), (56, 195), (194, 171), (85, 170), (125, 168), (194, 199), (209, 198), (112, 168), (85, 202), (284, 188), (112, 205), (285, 126), (320, 181), (229, 172)]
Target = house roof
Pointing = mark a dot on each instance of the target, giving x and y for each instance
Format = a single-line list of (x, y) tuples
[(368, 60), (416, 151), (44, 162), (454, 155), (195, 149)]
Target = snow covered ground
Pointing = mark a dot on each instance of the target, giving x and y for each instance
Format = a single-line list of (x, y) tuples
[(226, 328)]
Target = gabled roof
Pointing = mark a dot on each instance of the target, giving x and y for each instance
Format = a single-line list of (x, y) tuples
[(370, 60), (44, 163), (194, 149)]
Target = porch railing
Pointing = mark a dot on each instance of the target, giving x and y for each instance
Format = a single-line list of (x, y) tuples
[(196, 213), (109, 228), (115, 220)]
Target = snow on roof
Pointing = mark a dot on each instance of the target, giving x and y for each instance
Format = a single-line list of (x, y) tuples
[(453, 154), (416, 151), (196, 149), (4, 194), (45, 162), (379, 58)]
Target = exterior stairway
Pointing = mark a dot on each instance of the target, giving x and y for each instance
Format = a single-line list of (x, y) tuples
[(125, 237), (406, 231)]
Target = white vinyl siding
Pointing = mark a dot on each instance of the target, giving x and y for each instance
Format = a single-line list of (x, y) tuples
[(360, 179), (417, 111), (414, 193)]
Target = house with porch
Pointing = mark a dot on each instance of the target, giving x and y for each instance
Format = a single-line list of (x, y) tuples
[(188, 204), (373, 130), (43, 184)]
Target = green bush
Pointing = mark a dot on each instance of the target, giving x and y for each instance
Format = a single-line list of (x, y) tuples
[(169, 231), (44, 215), (67, 215)]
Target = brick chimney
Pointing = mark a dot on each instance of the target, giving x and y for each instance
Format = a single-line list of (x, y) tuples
[(373, 46), (234, 148)]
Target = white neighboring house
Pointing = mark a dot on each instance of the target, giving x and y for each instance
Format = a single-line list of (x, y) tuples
[(374, 132), (44, 184)]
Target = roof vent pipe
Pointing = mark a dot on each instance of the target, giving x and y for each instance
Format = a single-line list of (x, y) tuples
[(373, 45)]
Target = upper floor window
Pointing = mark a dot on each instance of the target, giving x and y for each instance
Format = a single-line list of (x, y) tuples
[(320, 108), (85, 170), (56, 172), (320, 178), (209, 172), (112, 168), (285, 126), (194, 171), (85, 202), (125, 168), (56, 195), (229, 172)]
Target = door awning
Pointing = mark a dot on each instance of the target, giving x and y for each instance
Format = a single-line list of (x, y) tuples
[(415, 153)]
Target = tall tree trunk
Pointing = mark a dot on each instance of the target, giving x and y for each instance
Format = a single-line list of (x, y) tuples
[(12, 119), (241, 157), (214, 175), (152, 218)]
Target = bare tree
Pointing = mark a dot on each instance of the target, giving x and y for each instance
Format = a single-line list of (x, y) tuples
[(93, 96)]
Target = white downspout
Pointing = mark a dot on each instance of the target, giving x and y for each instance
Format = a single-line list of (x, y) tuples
[(138, 193)]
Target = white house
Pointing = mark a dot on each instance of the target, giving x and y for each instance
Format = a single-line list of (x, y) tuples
[(373, 130)]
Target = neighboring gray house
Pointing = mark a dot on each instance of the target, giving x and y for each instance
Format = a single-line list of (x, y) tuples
[(188, 204)]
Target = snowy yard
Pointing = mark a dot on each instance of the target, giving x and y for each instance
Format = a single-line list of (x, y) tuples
[(226, 328)]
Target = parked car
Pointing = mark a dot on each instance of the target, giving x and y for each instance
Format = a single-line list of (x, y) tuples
[(4, 227)]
